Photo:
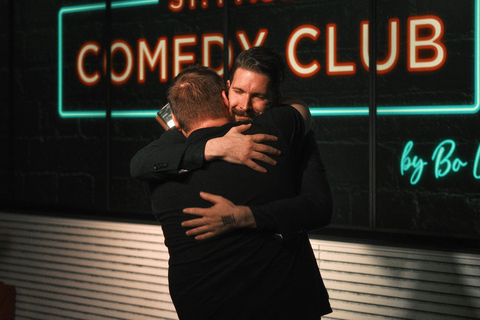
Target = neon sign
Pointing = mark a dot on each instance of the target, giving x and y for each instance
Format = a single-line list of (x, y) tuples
[(87, 8), (443, 160), (334, 67)]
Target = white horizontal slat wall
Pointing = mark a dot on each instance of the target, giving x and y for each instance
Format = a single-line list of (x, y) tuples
[(76, 269), (368, 282)]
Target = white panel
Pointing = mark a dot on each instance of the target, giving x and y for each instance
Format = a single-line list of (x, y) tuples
[(81, 269), (379, 282)]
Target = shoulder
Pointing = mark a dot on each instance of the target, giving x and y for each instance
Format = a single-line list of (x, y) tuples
[(172, 135), (284, 117), (284, 110)]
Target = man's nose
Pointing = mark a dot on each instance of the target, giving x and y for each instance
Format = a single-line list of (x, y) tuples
[(246, 103)]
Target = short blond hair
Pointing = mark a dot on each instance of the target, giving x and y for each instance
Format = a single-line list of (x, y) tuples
[(195, 95)]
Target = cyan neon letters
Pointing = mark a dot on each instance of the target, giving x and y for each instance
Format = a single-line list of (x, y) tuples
[(476, 172), (443, 164), (443, 160), (415, 162)]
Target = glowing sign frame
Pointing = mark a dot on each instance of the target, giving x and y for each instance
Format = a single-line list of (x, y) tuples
[(86, 8), (316, 110)]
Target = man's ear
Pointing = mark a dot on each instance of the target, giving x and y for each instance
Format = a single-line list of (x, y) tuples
[(225, 98), (228, 87)]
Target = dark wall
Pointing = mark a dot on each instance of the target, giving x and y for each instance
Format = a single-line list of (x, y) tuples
[(56, 159)]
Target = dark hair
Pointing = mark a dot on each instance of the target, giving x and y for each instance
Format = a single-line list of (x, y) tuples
[(195, 95), (264, 61)]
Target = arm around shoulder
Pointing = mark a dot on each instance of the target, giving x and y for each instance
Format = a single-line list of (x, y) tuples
[(169, 154), (310, 210), (301, 107)]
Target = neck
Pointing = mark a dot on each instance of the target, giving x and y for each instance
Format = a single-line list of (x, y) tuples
[(208, 124)]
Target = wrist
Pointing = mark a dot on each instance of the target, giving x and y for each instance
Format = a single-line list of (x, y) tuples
[(212, 151), (244, 217)]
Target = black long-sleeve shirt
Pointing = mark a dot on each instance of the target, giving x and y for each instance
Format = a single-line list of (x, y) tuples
[(172, 154), (247, 273)]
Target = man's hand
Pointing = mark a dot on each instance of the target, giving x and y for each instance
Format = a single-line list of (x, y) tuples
[(222, 217), (238, 148)]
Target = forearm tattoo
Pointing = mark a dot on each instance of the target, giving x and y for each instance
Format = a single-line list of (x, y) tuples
[(228, 219)]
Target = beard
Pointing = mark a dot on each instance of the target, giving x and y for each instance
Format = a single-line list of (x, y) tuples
[(250, 114)]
